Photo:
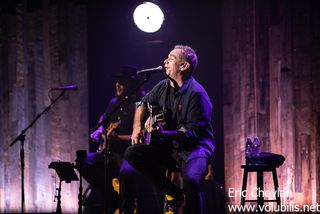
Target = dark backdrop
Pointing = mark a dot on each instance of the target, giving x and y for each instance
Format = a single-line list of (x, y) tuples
[(114, 40)]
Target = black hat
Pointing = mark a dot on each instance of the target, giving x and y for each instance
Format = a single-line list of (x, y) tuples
[(126, 72)]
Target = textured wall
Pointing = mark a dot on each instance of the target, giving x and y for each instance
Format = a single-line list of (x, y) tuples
[(271, 66), (42, 45)]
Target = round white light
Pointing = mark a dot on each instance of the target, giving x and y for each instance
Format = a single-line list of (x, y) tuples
[(148, 17)]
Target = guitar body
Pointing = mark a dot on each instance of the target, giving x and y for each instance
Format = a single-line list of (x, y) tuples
[(106, 137), (157, 116)]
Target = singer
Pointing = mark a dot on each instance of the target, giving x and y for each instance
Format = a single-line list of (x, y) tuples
[(185, 141)]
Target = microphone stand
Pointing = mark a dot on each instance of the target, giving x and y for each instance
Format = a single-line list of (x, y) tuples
[(58, 209), (21, 138), (104, 123), (81, 155)]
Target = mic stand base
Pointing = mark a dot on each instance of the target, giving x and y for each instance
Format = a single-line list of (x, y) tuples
[(58, 210), (22, 139)]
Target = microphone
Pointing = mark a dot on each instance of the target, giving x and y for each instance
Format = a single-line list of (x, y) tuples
[(67, 87), (150, 70)]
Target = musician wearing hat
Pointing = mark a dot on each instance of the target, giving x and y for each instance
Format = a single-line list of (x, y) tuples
[(116, 134), (126, 88)]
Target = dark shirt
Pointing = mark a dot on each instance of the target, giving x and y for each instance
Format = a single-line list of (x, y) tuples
[(170, 117), (125, 115), (192, 111)]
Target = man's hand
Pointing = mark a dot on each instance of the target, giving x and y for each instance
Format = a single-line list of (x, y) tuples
[(136, 136), (148, 125), (209, 175), (96, 135)]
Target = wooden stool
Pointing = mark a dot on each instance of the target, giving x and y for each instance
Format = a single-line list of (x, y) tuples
[(259, 169)]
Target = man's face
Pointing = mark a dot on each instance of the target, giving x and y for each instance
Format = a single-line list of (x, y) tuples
[(120, 87), (173, 63)]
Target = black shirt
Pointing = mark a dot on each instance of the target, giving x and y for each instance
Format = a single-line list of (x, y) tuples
[(192, 109), (171, 118), (124, 114)]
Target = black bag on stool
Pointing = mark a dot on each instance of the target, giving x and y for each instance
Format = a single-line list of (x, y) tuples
[(271, 158)]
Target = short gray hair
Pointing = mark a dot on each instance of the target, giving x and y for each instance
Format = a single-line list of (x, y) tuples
[(189, 55)]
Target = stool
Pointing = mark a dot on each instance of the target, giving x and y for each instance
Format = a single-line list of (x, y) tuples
[(175, 176), (260, 168)]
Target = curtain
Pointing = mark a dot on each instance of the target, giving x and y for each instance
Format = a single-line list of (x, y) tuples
[(43, 45), (271, 89)]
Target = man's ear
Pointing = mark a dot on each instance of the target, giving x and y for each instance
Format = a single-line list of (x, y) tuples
[(184, 66)]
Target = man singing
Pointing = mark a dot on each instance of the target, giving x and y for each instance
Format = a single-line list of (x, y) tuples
[(185, 141)]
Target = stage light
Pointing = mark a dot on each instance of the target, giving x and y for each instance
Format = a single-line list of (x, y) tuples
[(148, 17)]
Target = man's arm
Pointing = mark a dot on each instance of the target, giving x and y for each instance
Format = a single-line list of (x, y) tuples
[(169, 135), (137, 121), (198, 118), (96, 135)]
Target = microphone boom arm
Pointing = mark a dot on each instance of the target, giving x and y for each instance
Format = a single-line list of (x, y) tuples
[(36, 118)]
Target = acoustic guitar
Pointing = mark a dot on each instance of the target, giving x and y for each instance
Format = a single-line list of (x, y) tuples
[(106, 137), (157, 116)]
